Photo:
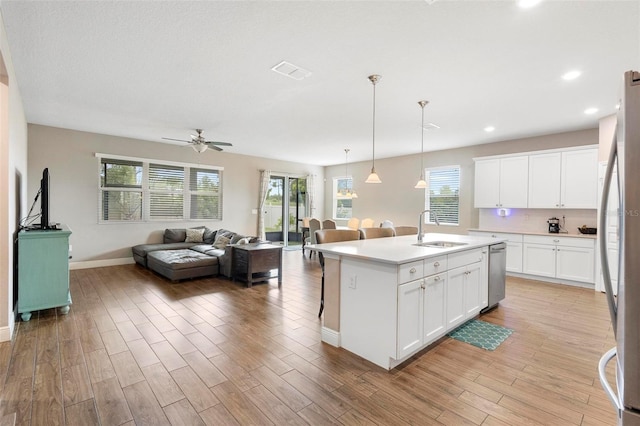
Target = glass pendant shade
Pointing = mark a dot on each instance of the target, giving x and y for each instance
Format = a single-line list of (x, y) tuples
[(373, 177), (199, 147), (349, 191), (422, 184)]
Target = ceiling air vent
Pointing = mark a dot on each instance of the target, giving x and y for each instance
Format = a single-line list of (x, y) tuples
[(293, 71)]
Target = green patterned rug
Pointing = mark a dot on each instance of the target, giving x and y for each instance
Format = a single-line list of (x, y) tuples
[(481, 334)]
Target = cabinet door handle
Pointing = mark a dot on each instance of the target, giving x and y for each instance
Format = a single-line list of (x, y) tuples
[(422, 286), (412, 270), (437, 278), (435, 265), (557, 205), (556, 241), (493, 236)]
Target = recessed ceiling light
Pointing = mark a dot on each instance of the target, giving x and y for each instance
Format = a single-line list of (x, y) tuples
[(525, 4), (590, 111), (489, 129), (571, 75)]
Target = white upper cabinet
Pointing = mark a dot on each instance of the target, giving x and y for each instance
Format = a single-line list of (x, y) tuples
[(566, 179), (501, 182)]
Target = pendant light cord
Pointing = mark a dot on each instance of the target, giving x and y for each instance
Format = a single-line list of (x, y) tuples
[(373, 157), (422, 145)]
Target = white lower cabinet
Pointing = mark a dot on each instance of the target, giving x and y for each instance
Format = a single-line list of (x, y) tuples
[(560, 257), (410, 317), (421, 313), (431, 306), (464, 297), (514, 247)]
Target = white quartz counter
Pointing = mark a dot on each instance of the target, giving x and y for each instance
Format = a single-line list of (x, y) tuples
[(398, 250), (560, 234)]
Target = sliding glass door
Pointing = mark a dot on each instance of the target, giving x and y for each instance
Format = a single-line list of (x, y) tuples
[(286, 206)]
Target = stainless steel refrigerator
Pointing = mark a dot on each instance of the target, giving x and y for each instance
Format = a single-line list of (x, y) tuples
[(625, 308)]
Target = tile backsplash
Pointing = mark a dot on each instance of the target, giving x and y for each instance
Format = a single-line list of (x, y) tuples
[(535, 220)]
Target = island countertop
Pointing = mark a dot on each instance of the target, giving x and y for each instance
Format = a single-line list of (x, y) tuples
[(398, 250)]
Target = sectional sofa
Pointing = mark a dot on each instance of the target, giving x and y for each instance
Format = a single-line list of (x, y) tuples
[(190, 253)]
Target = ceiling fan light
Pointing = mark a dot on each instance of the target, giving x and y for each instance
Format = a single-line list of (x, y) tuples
[(200, 147)]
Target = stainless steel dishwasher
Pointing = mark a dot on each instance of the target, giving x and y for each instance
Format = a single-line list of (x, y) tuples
[(497, 274)]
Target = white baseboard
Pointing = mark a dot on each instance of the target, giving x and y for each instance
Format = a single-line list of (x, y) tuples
[(552, 280), (6, 333), (330, 336), (101, 263)]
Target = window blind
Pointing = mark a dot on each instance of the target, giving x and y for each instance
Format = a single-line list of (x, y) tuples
[(204, 187), (443, 195), (166, 198)]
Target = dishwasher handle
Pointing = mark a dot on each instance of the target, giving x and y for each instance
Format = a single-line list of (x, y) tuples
[(497, 247)]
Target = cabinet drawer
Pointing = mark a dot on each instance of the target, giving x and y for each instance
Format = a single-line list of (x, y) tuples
[(514, 238), (410, 271), (561, 241), (434, 265), (467, 257)]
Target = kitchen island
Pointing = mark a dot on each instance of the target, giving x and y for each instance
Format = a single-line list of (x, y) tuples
[(388, 298)]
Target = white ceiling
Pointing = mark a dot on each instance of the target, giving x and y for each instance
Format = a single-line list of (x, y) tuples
[(151, 69)]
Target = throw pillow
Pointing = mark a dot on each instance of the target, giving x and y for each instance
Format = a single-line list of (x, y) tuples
[(194, 236), (221, 242)]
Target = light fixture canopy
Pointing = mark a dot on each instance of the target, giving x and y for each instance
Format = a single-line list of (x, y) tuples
[(422, 184), (373, 176)]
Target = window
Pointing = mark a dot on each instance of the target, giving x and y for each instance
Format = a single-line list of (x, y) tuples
[(134, 190), (342, 201), (443, 194)]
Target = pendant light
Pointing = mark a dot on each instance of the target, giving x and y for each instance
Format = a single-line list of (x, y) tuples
[(373, 177), (348, 192), (422, 184)]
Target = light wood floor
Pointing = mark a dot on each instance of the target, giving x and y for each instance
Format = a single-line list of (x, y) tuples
[(137, 349)]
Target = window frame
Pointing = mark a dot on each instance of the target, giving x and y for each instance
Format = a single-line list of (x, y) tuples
[(428, 218), (336, 198), (145, 190)]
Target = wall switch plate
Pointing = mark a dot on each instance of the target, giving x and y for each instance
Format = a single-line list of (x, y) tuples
[(353, 281)]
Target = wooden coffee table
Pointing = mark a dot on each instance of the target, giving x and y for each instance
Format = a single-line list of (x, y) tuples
[(256, 262)]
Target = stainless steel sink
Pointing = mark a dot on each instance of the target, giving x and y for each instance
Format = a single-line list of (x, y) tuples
[(439, 244)]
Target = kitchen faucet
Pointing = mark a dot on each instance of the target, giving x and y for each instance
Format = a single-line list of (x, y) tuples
[(435, 217)]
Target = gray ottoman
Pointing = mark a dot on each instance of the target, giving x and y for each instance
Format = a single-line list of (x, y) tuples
[(182, 264)]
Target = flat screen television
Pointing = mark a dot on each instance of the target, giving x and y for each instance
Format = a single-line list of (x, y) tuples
[(44, 200)]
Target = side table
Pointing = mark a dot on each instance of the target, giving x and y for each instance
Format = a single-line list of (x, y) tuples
[(255, 262)]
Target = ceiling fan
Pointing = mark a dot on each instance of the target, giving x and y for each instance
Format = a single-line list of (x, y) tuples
[(199, 144)]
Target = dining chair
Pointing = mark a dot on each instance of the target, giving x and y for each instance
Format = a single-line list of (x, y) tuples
[(332, 236), (314, 225), (353, 223), (405, 230), (367, 223), (328, 224), (386, 224), (369, 233)]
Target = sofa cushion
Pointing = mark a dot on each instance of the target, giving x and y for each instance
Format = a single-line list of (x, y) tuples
[(141, 251), (174, 235), (221, 242), (182, 259), (209, 235), (208, 249), (194, 235)]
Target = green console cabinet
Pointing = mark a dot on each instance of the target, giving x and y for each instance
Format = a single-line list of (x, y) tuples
[(43, 271)]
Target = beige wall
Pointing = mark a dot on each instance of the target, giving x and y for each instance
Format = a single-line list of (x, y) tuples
[(13, 167), (606, 129), (74, 171), (396, 199)]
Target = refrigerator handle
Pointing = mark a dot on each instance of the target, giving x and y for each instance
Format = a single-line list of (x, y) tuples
[(602, 373), (606, 273)]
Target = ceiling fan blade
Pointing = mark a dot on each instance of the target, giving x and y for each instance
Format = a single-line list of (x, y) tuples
[(218, 143), (177, 140), (214, 147)]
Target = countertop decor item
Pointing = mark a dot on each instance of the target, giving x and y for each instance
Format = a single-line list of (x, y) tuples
[(584, 229)]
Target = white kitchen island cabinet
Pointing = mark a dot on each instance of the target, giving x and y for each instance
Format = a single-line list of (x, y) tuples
[(395, 298)]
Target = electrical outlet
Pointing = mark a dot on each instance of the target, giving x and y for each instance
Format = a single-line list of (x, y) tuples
[(353, 281)]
